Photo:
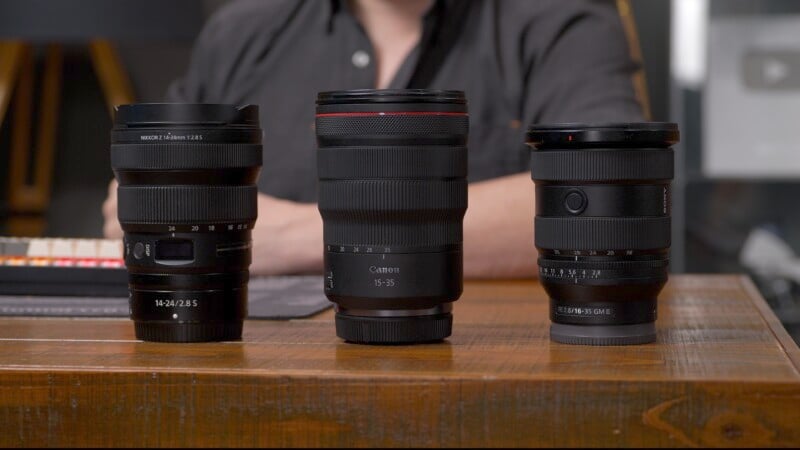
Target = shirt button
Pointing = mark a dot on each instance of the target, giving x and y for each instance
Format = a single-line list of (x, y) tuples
[(360, 59)]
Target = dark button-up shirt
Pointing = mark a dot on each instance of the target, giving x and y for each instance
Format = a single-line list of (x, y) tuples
[(519, 62)]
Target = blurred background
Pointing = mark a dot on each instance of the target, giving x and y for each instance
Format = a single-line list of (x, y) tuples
[(728, 71)]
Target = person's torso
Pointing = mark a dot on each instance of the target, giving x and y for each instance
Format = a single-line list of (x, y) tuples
[(319, 49)]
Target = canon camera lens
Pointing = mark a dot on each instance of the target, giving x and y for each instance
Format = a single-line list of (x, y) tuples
[(602, 227), (187, 203), (392, 194)]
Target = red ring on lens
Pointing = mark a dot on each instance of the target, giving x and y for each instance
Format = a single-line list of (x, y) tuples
[(392, 113)]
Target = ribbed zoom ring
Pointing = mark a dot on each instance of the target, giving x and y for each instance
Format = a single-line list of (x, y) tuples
[(187, 204), (416, 233), (397, 196), (184, 156), (360, 126), (602, 164), (602, 233), (392, 162)]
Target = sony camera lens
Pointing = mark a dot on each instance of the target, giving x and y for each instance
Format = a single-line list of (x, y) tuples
[(602, 227), (187, 202), (392, 170)]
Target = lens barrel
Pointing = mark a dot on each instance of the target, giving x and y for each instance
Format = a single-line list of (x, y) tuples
[(392, 168), (602, 227), (187, 201)]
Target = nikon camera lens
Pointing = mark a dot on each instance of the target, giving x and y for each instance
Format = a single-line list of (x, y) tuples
[(392, 170), (187, 203), (602, 227)]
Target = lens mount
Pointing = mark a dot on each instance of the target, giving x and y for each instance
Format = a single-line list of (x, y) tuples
[(640, 333), (387, 327)]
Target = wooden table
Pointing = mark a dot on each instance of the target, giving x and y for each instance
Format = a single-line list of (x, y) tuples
[(723, 373)]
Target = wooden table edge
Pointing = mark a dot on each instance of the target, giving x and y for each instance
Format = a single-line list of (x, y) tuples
[(364, 376), (786, 342)]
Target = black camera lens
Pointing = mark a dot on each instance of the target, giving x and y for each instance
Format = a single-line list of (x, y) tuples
[(187, 202), (602, 227), (392, 170)]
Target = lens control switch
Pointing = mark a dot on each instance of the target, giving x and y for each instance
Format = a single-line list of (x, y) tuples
[(138, 250), (575, 201)]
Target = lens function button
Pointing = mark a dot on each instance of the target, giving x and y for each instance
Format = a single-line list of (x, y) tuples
[(138, 250), (575, 201)]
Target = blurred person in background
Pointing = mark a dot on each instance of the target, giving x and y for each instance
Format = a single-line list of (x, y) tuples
[(519, 62)]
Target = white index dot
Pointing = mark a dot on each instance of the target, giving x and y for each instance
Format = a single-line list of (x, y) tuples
[(360, 59), (174, 316)]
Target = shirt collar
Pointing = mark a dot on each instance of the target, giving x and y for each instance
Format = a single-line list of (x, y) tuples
[(334, 7)]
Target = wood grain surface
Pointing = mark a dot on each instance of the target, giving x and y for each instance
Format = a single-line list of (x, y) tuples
[(723, 373)]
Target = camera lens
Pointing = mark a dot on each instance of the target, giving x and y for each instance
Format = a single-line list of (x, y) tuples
[(187, 203), (392, 170), (602, 227)]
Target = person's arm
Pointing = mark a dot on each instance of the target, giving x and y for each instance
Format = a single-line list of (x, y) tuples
[(287, 238), (498, 232), (498, 229)]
